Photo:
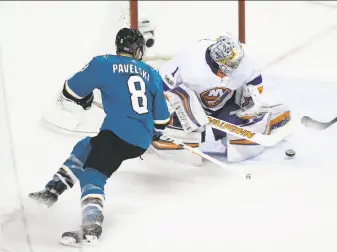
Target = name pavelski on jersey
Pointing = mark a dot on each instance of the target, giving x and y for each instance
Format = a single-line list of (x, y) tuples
[(214, 96), (130, 69)]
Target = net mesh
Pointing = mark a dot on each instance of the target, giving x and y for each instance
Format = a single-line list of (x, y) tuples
[(67, 116)]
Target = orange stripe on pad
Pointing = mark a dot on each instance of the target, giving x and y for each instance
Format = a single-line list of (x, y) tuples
[(242, 142), (284, 116), (161, 145)]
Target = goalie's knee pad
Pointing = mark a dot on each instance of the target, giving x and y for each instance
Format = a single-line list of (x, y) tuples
[(108, 151)]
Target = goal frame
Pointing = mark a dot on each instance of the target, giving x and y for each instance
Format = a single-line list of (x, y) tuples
[(241, 17)]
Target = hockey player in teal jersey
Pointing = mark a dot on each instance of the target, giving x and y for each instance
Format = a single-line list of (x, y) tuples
[(135, 107)]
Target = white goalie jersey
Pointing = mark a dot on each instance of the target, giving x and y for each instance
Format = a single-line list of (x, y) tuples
[(212, 87), (235, 97)]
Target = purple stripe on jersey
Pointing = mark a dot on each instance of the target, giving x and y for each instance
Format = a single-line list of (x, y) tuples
[(165, 87), (256, 81)]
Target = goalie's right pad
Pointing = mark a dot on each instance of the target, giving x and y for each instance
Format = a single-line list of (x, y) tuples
[(170, 151), (187, 122), (187, 107)]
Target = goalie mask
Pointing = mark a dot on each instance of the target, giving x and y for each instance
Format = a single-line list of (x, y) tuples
[(227, 52)]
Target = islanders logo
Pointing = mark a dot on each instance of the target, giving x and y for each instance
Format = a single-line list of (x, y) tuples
[(213, 97)]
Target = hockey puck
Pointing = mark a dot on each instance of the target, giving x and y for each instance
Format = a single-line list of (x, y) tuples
[(290, 153)]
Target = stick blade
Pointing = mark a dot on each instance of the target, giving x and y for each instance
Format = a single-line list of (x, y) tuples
[(313, 124)]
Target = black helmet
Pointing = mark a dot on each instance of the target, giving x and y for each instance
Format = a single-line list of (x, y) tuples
[(128, 41)]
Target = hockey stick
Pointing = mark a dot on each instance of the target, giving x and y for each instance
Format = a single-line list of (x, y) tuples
[(261, 139), (265, 140), (193, 150), (313, 124)]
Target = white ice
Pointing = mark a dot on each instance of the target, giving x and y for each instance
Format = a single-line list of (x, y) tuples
[(153, 206)]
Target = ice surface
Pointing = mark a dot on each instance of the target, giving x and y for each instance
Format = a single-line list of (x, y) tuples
[(287, 205)]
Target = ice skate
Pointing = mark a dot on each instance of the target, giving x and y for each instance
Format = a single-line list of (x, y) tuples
[(55, 187), (86, 235), (89, 232), (45, 197)]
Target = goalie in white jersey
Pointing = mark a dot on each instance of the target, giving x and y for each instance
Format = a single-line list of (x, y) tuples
[(218, 78)]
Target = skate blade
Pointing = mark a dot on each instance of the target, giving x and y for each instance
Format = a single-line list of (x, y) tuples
[(71, 242)]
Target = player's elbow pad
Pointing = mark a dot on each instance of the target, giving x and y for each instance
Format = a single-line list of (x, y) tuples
[(84, 102)]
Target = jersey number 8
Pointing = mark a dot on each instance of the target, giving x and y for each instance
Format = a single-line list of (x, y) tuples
[(137, 89)]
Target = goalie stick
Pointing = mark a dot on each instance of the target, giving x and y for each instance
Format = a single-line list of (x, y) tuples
[(313, 124), (261, 139), (265, 140)]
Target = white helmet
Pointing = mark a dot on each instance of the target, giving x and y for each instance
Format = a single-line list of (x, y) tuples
[(227, 52)]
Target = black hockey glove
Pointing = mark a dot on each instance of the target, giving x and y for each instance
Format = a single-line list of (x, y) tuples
[(158, 131), (84, 102)]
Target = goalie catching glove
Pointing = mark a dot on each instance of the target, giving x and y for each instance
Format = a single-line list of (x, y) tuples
[(84, 102)]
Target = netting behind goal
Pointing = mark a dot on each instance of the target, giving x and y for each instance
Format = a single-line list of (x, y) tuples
[(92, 31)]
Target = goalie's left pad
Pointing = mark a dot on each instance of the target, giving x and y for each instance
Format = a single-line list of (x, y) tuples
[(239, 149), (187, 122)]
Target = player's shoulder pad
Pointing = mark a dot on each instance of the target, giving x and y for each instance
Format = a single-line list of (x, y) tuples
[(98, 61), (102, 58)]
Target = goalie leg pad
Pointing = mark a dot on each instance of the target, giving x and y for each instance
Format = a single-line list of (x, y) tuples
[(109, 151), (239, 149), (170, 151), (187, 107), (280, 116)]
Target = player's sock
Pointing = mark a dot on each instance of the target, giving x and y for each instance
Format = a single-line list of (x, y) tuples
[(92, 184), (78, 157)]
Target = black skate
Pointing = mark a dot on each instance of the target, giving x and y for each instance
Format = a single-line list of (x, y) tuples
[(54, 188), (89, 232), (87, 235), (45, 197)]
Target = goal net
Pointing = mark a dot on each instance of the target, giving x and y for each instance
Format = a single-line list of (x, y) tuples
[(101, 22), (171, 25)]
